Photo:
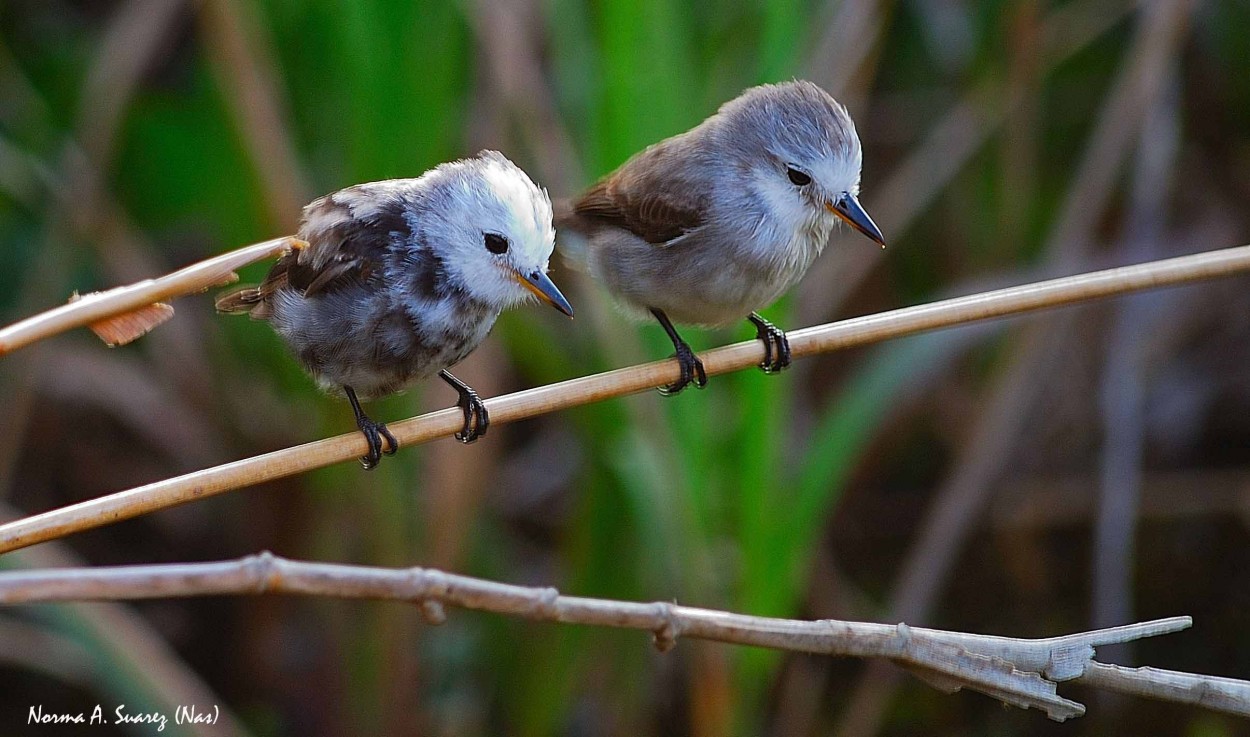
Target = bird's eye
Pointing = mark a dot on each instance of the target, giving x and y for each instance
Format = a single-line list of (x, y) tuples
[(797, 177), (495, 243)]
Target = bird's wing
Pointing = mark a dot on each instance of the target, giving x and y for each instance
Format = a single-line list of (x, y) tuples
[(652, 196), (347, 234)]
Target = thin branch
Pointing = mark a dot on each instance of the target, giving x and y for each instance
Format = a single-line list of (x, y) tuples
[(90, 308), (1018, 671), (1221, 694), (588, 389)]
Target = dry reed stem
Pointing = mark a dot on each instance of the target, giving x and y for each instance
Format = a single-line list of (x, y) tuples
[(94, 307), (1022, 672), (585, 390)]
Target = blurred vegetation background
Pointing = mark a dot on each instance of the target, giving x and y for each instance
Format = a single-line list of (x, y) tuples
[(1033, 477)]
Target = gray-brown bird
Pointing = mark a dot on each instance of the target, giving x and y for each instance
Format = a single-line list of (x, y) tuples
[(708, 226), (403, 278)]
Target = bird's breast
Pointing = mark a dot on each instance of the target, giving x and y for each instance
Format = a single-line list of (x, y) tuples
[(375, 342)]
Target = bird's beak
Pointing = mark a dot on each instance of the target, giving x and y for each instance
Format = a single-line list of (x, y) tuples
[(849, 209), (545, 289)]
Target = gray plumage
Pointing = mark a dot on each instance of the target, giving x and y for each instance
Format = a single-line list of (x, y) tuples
[(705, 225), (708, 226), (399, 280)]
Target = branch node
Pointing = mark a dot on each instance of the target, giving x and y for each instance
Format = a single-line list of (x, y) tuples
[(546, 604), (665, 636), (1066, 663), (429, 584), (902, 637), (264, 573), (426, 588)]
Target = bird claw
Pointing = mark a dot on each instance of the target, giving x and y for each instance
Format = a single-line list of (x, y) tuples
[(476, 418), (692, 371), (374, 433), (776, 345)]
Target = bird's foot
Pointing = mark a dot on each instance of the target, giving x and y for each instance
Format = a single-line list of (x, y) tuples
[(692, 371), (476, 418), (691, 367), (375, 433), (776, 345)]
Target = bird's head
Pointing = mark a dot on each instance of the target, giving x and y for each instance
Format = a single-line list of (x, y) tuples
[(802, 151), (501, 232)]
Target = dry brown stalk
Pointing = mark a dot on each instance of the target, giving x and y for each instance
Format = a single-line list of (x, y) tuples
[(97, 306), (587, 389)]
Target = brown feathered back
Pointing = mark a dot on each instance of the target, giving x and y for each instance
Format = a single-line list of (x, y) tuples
[(650, 195)]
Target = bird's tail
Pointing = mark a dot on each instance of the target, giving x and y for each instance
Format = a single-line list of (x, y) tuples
[(249, 300), (570, 242)]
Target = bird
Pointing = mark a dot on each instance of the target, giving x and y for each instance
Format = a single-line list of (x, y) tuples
[(711, 225), (402, 278)]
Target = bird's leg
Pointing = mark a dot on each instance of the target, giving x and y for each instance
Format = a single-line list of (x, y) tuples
[(476, 418), (776, 344), (691, 366), (374, 432)]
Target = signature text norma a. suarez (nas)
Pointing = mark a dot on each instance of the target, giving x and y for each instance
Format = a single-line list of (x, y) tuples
[(185, 714)]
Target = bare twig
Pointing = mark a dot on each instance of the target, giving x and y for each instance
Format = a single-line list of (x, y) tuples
[(585, 390), (1021, 672), (1221, 694), (100, 305)]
